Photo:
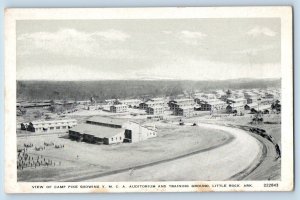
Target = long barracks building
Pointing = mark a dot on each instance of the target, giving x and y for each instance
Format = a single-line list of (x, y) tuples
[(49, 126)]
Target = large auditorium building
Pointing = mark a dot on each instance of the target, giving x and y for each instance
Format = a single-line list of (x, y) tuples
[(104, 130)]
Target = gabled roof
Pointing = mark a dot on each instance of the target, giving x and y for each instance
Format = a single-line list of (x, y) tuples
[(97, 131), (107, 120), (53, 121)]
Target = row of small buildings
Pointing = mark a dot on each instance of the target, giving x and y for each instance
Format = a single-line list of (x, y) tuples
[(205, 102)]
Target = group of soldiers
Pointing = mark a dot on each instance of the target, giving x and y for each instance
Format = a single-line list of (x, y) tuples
[(25, 161), (58, 146), (28, 145)]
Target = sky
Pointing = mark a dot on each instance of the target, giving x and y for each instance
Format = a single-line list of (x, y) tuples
[(175, 49)]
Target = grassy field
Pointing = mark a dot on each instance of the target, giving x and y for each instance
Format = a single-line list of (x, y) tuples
[(79, 159)]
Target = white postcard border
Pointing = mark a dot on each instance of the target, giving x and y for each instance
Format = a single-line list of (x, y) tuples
[(12, 15)]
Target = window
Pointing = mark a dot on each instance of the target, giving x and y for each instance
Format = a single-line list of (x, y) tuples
[(51, 128), (112, 139), (58, 127), (64, 127), (120, 138)]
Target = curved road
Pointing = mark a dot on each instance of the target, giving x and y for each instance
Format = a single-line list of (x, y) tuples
[(241, 154)]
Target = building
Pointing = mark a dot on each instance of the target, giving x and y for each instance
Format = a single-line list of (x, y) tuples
[(201, 100), (155, 110), (135, 132), (83, 102), (209, 96), (92, 133), (119, 108), (51, 126), (237, 100), (262, 108), (151, 103), (186, 111), (251, 97), (102, 130), (106, 121), (235, 107), (24, 126), (131, 103), (176, 103), (110, 101), (34, 105), (198, 95), (156, 99), (269, 95), (266, 101), (251, 106), (213, 106)]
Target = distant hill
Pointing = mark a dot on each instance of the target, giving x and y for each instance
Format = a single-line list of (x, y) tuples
[(82, 90)]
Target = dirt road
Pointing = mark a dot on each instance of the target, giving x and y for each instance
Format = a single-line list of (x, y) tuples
[(242, 153)]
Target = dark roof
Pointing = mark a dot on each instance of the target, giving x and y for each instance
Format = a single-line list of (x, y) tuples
[(107, 120), (97, 131)]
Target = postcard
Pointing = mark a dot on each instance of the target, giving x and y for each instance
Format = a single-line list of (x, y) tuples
[(191, 99)]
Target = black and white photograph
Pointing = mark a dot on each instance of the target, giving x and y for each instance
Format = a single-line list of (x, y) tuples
[(173, 102)]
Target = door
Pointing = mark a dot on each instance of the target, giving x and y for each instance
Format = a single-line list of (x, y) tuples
[(128, 136)]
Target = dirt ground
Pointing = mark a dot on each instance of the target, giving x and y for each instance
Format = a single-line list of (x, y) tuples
[(79, 159), (216, 164), (269, 168)]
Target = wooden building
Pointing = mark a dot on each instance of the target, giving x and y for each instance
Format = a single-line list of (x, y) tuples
[(92, 133), (186, 111), (262, 108), (235, 107), (151, 103), (51, 126), (155, 110), (119, 108), (251, 106), (213, 106), (136, 132), (176, 103), (102, 130), (106, 121), (237, 100), (131, 103), (24, 126)]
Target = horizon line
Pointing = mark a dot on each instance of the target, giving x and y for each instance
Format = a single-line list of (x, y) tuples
[(89, 80)]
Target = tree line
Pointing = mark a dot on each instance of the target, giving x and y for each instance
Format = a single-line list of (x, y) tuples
[(101, 90)]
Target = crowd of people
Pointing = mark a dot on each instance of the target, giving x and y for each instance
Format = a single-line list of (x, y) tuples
[(26, 160)]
